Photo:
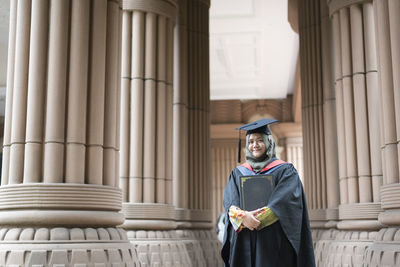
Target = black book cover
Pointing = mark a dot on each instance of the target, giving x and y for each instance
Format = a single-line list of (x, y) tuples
[(255, 191)]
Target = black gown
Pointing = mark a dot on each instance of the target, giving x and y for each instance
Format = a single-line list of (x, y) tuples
[(286, 242)]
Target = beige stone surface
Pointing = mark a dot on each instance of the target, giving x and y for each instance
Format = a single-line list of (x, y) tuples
[(66, 247)]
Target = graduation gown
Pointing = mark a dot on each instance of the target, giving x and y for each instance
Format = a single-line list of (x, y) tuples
[(286, 242)]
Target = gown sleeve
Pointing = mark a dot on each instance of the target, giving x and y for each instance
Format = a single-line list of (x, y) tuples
[(286, 202), (266, 217)]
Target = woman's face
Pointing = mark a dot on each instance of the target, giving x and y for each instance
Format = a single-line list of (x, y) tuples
[(256, 145)]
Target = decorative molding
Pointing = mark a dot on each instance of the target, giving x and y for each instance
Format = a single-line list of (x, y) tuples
[(390, 217), (357, 211), (70, 218), (336, 5), (58, 234), (367, 225), (385, 250), (59, 196), (323, 214), (143, 224), (390, 196), (148, 211), (166, 8), (177, 248), (66, 247)]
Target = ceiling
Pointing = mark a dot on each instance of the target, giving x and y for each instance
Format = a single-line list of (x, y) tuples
[(253, 50)]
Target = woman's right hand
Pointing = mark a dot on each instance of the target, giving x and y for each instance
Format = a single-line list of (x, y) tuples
[(250, 221)]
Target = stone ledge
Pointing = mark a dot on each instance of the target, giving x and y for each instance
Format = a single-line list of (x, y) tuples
[(58, 196)]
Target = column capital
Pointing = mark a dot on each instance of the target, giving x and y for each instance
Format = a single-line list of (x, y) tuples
[(166, 8), (335, 5)]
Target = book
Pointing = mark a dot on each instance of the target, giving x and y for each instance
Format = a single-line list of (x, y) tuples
[(255, 191)]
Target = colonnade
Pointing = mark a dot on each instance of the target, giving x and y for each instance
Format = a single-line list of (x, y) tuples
[(60, 156)]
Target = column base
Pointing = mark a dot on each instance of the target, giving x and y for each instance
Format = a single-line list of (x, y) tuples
[(323, 218), (176, 248), (149, 216), (390, 217), (66, 247), (385, 249), (341, 248), (367, 225), (193, 219)]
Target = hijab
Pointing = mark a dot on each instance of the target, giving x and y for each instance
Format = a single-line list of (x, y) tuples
[(259, 163)]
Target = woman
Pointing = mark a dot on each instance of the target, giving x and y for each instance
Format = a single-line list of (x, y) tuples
[(277, 234)]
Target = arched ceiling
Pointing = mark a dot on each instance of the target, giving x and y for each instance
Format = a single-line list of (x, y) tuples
[(253, 50)]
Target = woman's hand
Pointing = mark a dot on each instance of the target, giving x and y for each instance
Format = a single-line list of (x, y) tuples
[(250, 221)]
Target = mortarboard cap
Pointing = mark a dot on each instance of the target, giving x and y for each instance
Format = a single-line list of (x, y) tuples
[(260, 126)]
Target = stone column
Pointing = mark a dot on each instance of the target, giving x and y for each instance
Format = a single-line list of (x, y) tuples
[(388, 56), (356, 88), (387, 17), (192, 170), (146, 114), (191, 104), (59, 168), (223, 160), (294, 153), (358, 131), (318, 115)]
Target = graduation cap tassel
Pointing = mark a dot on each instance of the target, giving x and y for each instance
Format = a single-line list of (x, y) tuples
[(239, 147)]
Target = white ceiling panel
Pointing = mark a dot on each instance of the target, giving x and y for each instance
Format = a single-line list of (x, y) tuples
[(253, 54)]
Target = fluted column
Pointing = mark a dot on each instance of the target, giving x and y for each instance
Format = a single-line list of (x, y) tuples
[(192, 195), (223, 161), (59, 168), (294, 153), (146, 113), (318, 109), (358, 112), (388, 40)]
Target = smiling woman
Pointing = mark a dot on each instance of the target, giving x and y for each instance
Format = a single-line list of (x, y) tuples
[(275, 234)]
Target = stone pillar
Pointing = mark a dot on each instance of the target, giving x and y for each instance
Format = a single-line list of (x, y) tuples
[(388, 67), (146, 132), (318, 109), (192, 170), (294, 153), (60, 148), (191, 106), (358, 133), (223, 160), (387, 243), (146, 114), (356, 91)]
